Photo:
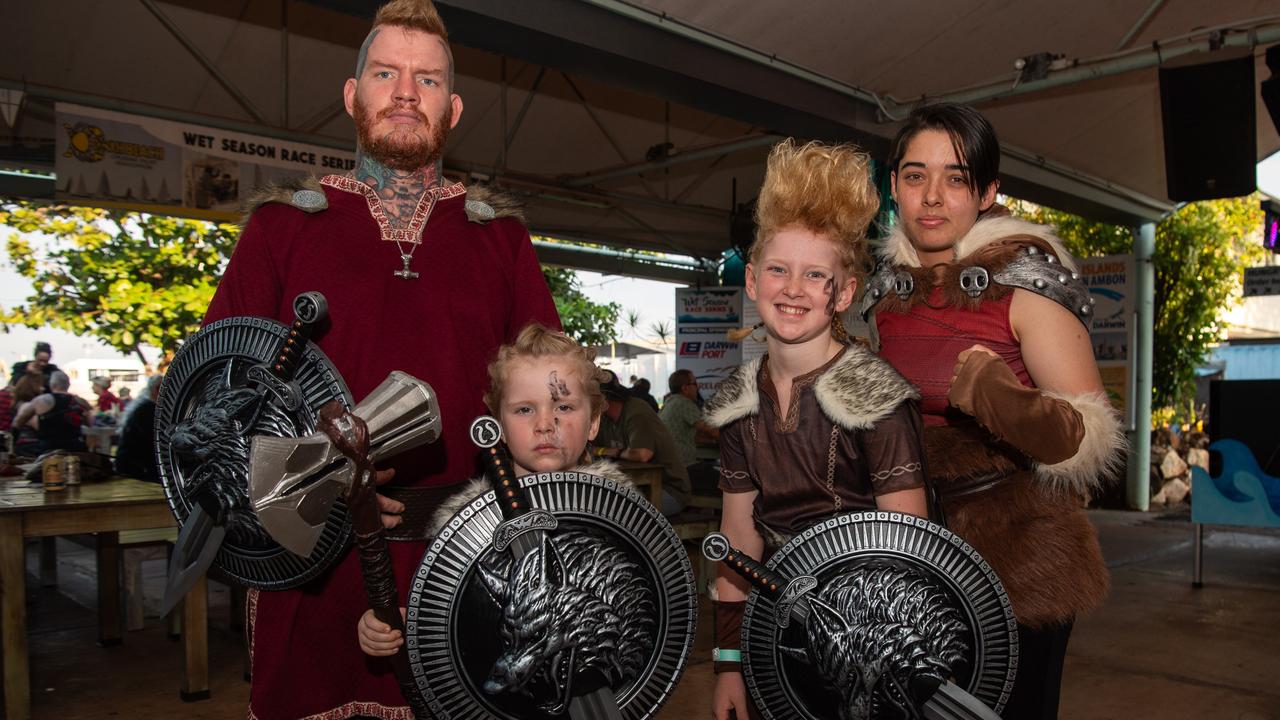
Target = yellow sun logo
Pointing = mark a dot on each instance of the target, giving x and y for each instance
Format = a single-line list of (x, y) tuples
[(85, 142)]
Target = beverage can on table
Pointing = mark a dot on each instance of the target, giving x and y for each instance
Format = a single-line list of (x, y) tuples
[(53, 479), (71, 470)]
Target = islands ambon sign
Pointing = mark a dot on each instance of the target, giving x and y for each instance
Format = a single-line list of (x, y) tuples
[(117, 159), (1110, 280)]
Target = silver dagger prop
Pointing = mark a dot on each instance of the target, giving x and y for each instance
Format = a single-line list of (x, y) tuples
[(204, 529), (521, 532), (937, 700)]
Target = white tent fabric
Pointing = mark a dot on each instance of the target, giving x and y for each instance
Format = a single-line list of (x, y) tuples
[(571, 137)]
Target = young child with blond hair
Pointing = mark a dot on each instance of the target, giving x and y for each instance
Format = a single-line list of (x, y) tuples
[(819, 425), (544, 391)]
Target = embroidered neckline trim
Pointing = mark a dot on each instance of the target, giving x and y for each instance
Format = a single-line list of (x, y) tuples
[(421, 213)]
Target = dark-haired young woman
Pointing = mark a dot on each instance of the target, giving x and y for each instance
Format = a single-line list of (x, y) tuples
[(984, 314)]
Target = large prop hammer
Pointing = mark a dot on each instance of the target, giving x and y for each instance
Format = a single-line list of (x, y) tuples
[(293, 482)]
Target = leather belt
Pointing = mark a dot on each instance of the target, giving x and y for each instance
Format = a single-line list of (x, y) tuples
[(952, 488), (420, 504)]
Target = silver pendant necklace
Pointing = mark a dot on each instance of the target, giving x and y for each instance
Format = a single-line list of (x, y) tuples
[(405, 273)]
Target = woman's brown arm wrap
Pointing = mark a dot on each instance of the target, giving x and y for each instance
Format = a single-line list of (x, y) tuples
[(1047, 429)]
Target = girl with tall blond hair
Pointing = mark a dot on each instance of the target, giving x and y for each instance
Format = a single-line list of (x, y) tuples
[(819, 425)]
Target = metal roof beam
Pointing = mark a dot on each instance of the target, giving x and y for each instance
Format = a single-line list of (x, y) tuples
[(692, 155)]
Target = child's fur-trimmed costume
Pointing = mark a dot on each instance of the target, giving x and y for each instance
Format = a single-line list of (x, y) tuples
[(851, 433)]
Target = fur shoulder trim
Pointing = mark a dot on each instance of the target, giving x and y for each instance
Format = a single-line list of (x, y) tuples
[(608, 470), (305, 194), (861, 389), (856, 393), (897, 249), (485, 204), (736, 398), (477, 487), (468, 491), (992, 230), (1101, 452)]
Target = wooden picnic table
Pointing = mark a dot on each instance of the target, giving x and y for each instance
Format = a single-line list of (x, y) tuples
[(105, 508), (645, 475)]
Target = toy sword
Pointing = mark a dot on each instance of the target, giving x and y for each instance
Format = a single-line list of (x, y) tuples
[(936, 698)]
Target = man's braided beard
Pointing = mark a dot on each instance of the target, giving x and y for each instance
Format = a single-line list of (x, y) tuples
[(402, 154)]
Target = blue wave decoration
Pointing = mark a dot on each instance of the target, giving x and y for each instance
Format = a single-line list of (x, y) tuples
[(1240, 495), (1111, 294)]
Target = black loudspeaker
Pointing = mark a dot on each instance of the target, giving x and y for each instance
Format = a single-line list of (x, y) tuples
[(1210, 129), (1245, 410), (1271, 86)]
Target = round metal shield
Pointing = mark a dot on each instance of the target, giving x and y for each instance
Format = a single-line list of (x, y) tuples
[(880, 543), (205, 416), (610, 588)]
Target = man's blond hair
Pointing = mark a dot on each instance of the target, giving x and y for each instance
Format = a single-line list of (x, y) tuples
[(412, 14)]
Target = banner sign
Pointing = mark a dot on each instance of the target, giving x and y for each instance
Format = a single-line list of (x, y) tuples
[(1110, 280), (108, 157), (703, 319), (1262, 281)]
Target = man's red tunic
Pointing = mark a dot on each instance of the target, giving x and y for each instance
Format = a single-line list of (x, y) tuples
[(479, 285)]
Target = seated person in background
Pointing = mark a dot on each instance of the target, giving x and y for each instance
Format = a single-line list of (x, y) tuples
[(640, 388), (8, 408), (683, 418), (545, 393), (631, 430), (135, 456), (32, 376), (59, 416), (126, 397), (107, 400)]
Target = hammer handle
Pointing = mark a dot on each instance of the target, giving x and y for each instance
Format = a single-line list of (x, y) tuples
[(380, 587)]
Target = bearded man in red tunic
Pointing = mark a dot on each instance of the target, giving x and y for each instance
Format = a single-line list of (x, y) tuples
[(421, 275)]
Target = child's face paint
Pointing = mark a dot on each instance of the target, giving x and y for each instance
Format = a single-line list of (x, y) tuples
[(797, 285), (545, 415), (557, 387)]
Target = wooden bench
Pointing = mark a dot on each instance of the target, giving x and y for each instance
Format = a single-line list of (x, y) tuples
[(700, 516)]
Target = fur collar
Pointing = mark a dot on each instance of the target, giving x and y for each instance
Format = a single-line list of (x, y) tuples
[(477, 487), (855, 393), (483, 204), (293, 191), (897, 249)]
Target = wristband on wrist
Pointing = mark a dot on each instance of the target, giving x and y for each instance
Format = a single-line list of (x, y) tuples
[(726, 655)]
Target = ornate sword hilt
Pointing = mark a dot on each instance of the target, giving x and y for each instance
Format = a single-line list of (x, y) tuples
[(518, 515), (309, 310), (786, 593)]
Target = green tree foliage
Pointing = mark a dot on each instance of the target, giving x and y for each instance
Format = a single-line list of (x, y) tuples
[(127, 279), (1201, 253), (588, 322)]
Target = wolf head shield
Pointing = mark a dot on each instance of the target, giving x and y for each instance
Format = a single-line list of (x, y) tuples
[(220, 392), (605, 599), (895, 606)]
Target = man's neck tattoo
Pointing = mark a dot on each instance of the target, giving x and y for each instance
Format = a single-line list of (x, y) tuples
[(398, 190)]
